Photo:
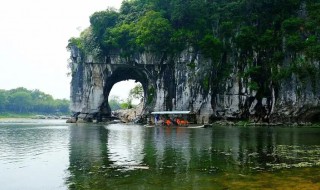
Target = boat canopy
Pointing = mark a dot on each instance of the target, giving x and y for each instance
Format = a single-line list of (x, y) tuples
[(170, 112)]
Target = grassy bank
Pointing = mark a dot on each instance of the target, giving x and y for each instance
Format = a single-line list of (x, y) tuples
[(16, 115)]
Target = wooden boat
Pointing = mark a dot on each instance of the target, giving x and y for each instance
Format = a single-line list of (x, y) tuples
[(190, 126)]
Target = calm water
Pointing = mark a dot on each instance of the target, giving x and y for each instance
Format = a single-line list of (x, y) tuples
[(37, 154)]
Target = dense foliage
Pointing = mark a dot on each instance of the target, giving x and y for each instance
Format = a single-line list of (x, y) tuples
[(268, 40), (21, 100)]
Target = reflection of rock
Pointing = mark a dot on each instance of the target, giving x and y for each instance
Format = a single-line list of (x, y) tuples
[(129, 115), (126, 146)]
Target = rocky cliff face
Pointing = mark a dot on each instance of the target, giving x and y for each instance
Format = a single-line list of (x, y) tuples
[(297, 101), (189, 82)]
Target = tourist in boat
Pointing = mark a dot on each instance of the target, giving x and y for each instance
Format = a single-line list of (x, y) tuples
[(184, 122), (156, 119), (178, 121), (160, 121), (168, 122)]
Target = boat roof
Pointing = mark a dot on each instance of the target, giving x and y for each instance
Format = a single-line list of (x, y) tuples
[(170, 112)]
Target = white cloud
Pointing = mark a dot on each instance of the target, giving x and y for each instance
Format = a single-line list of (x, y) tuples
[(33, 39)]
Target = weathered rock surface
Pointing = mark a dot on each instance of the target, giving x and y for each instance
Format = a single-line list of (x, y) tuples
[(185, 83), (129, 115)]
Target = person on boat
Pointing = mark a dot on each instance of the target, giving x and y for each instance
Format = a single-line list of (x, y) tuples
[(184, 122), (178, 121), (156, 119), (168, 122), (160, 121), (174, 121)]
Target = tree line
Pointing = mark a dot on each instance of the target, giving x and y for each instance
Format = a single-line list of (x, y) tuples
[(22, 100)]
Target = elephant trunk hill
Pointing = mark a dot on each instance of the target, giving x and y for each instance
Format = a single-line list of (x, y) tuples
[(239, 60)]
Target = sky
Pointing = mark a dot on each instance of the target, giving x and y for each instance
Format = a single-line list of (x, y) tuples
[(33, 39)]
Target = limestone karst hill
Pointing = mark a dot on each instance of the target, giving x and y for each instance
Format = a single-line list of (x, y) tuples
[(236, 60)]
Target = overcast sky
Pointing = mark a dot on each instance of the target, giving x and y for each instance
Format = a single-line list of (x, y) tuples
[(33, 39)]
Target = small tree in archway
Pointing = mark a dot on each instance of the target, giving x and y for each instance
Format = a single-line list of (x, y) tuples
[(136, 92)]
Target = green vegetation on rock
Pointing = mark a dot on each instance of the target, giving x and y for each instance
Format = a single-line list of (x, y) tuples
[(263, 39)]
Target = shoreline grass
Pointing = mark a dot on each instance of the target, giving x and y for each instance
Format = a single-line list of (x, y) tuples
[(16, 115)]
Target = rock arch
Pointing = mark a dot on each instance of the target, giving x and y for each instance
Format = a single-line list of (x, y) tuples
[(169, 82), (126, 72), (92, 81)]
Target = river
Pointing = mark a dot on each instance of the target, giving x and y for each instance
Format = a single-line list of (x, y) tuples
[(50, 154)]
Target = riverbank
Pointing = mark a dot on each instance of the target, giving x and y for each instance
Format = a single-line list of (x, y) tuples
[(30, 116), (134, 115), (130, 116), (16, 115), (263, 124)]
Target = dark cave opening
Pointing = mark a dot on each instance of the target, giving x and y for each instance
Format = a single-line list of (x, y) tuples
[(314, 118), (312, 115)]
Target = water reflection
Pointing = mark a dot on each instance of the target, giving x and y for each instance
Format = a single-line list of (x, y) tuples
[(33, 155), (175, 147), (53, 155), (133, 157), (125, 146), (87, 155)]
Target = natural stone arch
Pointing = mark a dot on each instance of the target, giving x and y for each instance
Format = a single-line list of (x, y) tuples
[(128, 72)]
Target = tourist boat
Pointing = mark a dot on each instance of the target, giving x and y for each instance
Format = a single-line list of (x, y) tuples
[(184, 119), (190, 126)]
